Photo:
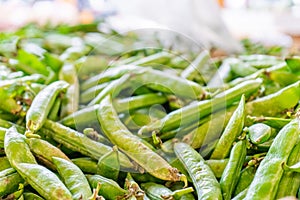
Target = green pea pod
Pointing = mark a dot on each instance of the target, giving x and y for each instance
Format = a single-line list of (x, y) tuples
[(203, 178), (154, 59), (45, 182), (109, 164), (274, 122), (31, 196), (4, 163), (34, 78), (241, 195), (231, 132), (44, 151), (86, 165), (133, 187), (131, 144), (290, 181), (54, 113), (88, 95), (42, 104), (217, 166), (71, 99), (245, 179), (159, 192), (191, 113), (259, 133), (146, 177), (94, 135), (109, 189), (6, 172), (293, 63), (13, 142), (269, 172), (233, 168), (73, 178), (277, 101), (2, 135), (10, 184), (80, 143)]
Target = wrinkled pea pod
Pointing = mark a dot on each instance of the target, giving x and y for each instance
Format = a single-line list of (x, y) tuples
[(233, 168), (290, 181), (205, 183), (45, 182), (109, 189), (159, 192), (245, 179), (132, 145), (42, 104), (109, 164), (269, 172), (193, 112), (231, 132), (80, 143), (73, 178)]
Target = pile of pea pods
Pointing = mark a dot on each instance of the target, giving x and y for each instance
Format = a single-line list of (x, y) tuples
[(89, 115)]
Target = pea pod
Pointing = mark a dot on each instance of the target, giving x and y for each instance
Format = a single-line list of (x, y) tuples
[(2, 135), (293, 63), (154, 59), (270, 170), (71, 99), (80, 143), (88, 95), (245, 179), (233, 168), (217, 166), (73, 178), (10, 183), (274, 122), (54, 113), (131, 145), (191, 113), (31, 196), (259, 133), (6, 172), (109, 164), (133, 187), (42, 104), (205, 183), (86, 165), (4, 163), (34, 78), (290, 181), (109, 189), (45, 182), (231, 132), (241, 195), (14, 141)]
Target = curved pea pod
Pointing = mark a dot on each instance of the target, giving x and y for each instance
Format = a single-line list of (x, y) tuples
[(4, 163), (42, 104), (45, 182), (274, 122), (217, 166), (159, 192), (80, 143), (94, 135), (54, 113), (90, 93), (44, 151), (154, 59), (245, 179), (70, 102), (86, 165), (109, 189), (13, 142), (133, 187), (276, 101), (109, 164), (73, 178), (146, 177), (269, 172), (10, 184), (233, 168), (6, 172), (195, 111), (31, 196), (259, 133), (205, 183), (132, 145), (231, 132), (290, 181)]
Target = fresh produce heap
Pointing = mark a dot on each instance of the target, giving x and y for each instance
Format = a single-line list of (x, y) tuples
[(90, 115)]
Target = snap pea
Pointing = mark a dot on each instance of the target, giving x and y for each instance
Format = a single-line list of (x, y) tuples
[(154, 59), (45, 182), (269, 172), (217, 166), (10, 184), (293, 63), (14, 141), (42, 104), (34, 78), (241, 195), (92, 92), (205, 183), (31, 196), (191, 113), (2, 134), (94, 135), (231, 132), (80, 143), (86, 164), (274, 122), (131, 145), (4, 163), (109, 189), (233, 168), (245, 179), (71, 98), (259, 133), (109, 164), (54, 113), (290, 181), (6, 172), (73, 178)]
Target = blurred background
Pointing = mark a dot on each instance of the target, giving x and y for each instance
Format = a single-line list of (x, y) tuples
[(219, 23)]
